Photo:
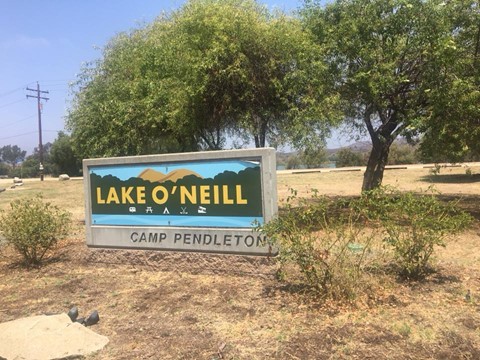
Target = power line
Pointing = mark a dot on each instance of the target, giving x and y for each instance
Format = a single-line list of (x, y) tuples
[(50, 82), (39, 105), (15, 136), (17, 121), (27, 133), (58, 90), (11, 103), (9, 92), (59, 85)]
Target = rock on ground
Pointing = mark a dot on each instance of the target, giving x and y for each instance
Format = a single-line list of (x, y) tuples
[(47, 337)]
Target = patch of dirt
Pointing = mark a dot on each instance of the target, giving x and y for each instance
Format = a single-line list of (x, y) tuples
[(195, 306), (167, 305)]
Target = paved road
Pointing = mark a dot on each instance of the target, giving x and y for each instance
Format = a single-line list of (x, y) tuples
[(388, 167)]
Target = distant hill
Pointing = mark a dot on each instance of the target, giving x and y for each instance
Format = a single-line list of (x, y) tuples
[(366, 146), (157, 176), (359, 146), (401, 153)]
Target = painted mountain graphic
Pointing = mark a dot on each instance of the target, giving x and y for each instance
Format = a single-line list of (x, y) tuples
[(227, 194), (157, 176)]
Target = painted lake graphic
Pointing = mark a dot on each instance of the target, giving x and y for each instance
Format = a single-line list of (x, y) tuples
[(224, 193)]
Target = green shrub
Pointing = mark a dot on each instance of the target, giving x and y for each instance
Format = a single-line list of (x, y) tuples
[(335, 244), (347, 157), (293, 162), (33, 227), (329, 253), (436, 169), (413, 224), (402, 154)]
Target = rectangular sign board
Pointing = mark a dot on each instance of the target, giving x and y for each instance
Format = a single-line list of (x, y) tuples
[(202, 201)]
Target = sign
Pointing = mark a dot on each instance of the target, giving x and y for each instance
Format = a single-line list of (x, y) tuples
[(204, 201)]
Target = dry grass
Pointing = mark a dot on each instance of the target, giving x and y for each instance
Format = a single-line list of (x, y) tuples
[(156, 305), (452, 180), (65, 194)]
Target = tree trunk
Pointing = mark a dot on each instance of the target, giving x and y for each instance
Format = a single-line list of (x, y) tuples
[(376, 165), (382, 139), (212, 139), (260, 140), (257, 141), (260, 132)]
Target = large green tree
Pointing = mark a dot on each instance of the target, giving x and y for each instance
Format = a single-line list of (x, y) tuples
[(391, 59), (63, 157), (30, 168), (119, 104), (12, 155), (453, 130), (212, 69)]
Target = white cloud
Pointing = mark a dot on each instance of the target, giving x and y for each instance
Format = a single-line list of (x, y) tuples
[(24, 42)]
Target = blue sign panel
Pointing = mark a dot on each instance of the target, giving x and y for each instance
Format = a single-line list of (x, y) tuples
[(221, 193)]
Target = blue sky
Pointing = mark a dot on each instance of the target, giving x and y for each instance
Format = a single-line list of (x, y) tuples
[(48, 41), (206, 170)]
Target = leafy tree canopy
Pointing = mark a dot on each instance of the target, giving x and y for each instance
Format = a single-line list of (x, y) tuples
[(453, 130), (30, 166), (313, 157), (393, 60), (12, 155), (63, 157), (347, 157), (193, 77)]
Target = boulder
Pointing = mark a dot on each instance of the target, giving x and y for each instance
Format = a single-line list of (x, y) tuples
[(63, 177), (47, 337)]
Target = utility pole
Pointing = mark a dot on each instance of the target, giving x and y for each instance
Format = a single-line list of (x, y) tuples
[(40, 143)]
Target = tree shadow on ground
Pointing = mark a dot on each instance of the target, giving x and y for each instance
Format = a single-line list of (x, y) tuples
[(468, 203), (451, 178)]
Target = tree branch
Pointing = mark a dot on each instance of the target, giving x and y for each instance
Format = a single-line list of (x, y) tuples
[(399, 130), (368, 123)]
